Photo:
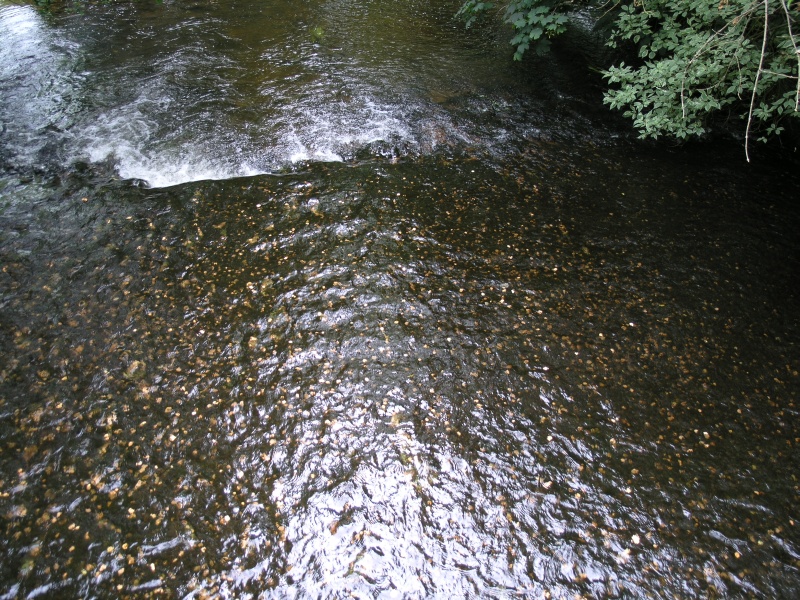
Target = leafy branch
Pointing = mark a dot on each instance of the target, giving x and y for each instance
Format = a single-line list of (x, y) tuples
[(535, 22), (694, 59)]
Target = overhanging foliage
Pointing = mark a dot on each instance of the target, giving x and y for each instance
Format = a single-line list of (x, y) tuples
[(696, 59)]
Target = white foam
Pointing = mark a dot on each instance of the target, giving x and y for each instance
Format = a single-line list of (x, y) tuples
[(131, 138)]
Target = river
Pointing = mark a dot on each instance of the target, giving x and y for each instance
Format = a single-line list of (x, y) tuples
[(331, 299)]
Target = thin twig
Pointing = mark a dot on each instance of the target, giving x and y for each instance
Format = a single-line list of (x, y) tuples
[(781, 75), (755, 85)]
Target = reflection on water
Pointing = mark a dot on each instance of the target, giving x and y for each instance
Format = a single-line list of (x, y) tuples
[(38, 84), (521, 361)]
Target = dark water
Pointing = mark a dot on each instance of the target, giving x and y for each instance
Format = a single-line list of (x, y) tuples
[(449, 338)]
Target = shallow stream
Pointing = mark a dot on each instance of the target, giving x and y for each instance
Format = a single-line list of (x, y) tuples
[(330, 299)]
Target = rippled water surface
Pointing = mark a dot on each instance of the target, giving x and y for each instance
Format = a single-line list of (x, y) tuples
[(329, 300)]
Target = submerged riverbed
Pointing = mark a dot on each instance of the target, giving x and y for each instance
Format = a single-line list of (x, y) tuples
[(333, 302)]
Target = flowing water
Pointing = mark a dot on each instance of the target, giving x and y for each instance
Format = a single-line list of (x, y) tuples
[(329, 299)]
